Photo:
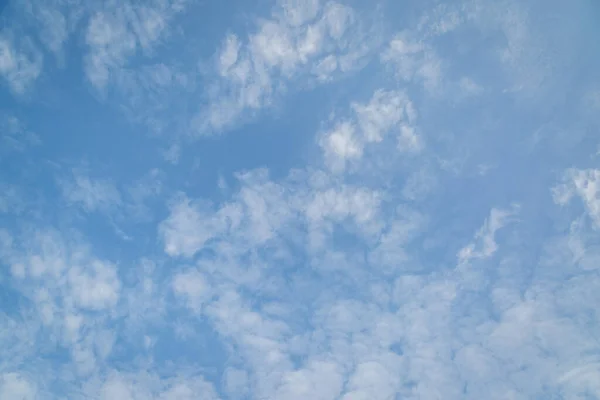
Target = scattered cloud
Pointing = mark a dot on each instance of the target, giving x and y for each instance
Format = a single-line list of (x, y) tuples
[(586, 185), (118, 32), (147, 386), (388, 113), (189, 227), (63, 283), (414, 61), (308, 41), (485, 244), (334, 254), (20, 62), (14, 386), (15, 135), (193, 287), (91, 195)]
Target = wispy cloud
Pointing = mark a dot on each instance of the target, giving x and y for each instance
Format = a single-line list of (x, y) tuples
[(15, 135), (64, 282), (414, 61), (119, 31), (387, 113), (90, 194), (485, 244), (20, 62), (586, 185), (15, 386), (311, 41), (363, 255), (149, 386)]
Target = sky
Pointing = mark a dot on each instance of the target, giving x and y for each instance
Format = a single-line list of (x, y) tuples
[(299, 199)]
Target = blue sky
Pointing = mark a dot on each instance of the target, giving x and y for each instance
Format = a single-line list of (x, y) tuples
[(299, 200)]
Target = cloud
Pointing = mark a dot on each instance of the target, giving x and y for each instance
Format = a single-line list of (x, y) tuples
[(583, 379), (261, 206), (130, 386), (387, 113), (11, 199), (15, 136), (354, 274), (96, 288), (298, 41), (193, 287), (189, 227), (123, 205), (340, 145), (13, 387), (261, 335), (118, 32), (586, 185), (55, 23), (63, 283), (391, 254), (20, 62), (334, 206), (91, 195), (485, 241), (414, 60), (384, 111), (320, 380), (51, 22)]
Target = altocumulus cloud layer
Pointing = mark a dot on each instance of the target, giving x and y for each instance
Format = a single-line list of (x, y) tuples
[(299, 200)]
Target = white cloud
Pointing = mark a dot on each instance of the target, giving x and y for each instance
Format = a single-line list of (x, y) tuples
[(391, 254), (298, 13), (420, 183), (191, 389), (63, 283), (15, 135), (151, 93), (319, 380), (299, 40), (122, 206), (442, 19), (387, 113), (253, 217), (485, 244), (111, 42), (11, 200), (414, 60), (188, 227), (583, 379), (235, 382), (92, 195), (357, 207), (193, 287), (371, 380), (469, 87), (15, 387), (384, 112), (408, 140), (581, 243), (141, 192), (585, 184), (229, 54), (325, 68), (96, 286), (54, 24), (340, 145), (146, 386), (319, 284), (20, 64), (118, 32)]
